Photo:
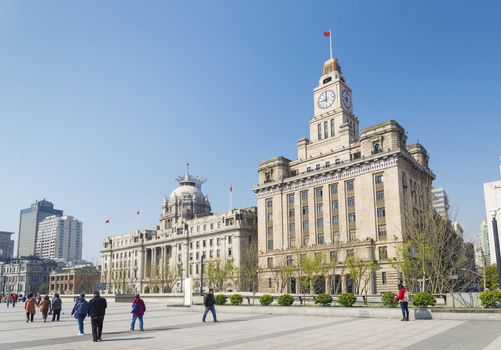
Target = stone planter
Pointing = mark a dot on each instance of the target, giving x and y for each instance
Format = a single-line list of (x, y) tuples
[(422, 314)]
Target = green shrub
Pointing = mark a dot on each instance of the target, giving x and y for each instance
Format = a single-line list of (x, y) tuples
[(347, 299), (285, 300), (236, 299), (221, 299), (388, 299), (265, 299), (490, 298), (323, 299), (423, 299)]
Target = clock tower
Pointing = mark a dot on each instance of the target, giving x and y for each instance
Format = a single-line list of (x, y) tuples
[(333, 116)]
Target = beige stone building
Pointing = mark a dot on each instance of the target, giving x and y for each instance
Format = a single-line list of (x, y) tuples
[(344, 195), (74, 280), (146, 260)]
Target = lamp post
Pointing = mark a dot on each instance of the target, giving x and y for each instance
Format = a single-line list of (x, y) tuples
[(493, 213), (202, 275)]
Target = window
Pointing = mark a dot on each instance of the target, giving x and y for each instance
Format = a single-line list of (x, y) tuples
[(326, 129), (383, 253), (352, 235), (198, 244), (218, 253), (351, 201), (270, 284), (290, 199), (304, 195), (381, 230), (291, 213), (377, 148), (381, 212), (352, 217), (378, 179), (318, 192), (332, 128), (196, 268), (317, 167), (335, 205), (380, 195), (327, 164), (305, 210), (334, 189), (308, 169), (269, 203), (383, 277), (270, 216), (335, 220), (349, 252), (350, 185), (292, 228), (335, 236), (320, 223), (270, 263), (204, 243), (270, 244), (320, 207), (229, 251), (197, 255), (288, 260), (333, 256), (305, 225), (211, 242), (320, 239), (319, 131), (229, 239), (306, 239)]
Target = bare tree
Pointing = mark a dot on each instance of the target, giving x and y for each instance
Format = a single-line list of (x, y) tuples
[(222, 274), (249, 269), (361, 271)]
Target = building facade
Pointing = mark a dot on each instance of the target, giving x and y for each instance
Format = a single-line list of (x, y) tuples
[(59, 238), (482, 249), (492, 197), (441, 202), (345, 194), (6, 245), (74, 280), (27, 275), (29, 220), (148, 261)]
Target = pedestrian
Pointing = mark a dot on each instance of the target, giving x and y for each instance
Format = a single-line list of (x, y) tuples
[(30, 308), (97, 309), (57, 304), (209, 303), (404, 297), (138, 310), (14, 299), (80, 311), (8, 298), (44, 307)]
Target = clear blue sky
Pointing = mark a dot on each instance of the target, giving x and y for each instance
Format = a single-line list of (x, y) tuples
[(103, 102)]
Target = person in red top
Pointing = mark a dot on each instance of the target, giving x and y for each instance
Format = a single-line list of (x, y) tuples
[(138, 310), (403, 297), (14, 299)]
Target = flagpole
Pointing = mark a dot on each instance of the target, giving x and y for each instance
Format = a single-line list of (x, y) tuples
[(231, 196), (137, 220), (330, 41)]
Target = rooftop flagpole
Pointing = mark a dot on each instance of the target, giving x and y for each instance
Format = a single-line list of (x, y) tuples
[(330, 41)]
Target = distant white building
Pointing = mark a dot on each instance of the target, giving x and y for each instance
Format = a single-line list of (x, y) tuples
[(482, 250), (59, 238), (440, 202), (492, 195)]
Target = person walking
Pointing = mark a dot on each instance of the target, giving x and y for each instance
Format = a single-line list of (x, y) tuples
[(8, 298), (44, 307), (57, 304), (14, 299), (138, 310), (80, 311), (30, 308), (403, 297), (209, 303), (97, 309)]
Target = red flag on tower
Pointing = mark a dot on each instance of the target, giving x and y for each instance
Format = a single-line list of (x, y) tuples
[(137, 213), (327, 33), (231, 188)]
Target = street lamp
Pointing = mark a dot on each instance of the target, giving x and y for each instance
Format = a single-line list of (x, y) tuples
[(493, 213), (476, 273)]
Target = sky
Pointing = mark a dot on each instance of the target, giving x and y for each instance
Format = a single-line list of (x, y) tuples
[(102, 103)]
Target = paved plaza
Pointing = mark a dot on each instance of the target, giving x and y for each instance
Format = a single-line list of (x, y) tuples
[(174, 328)]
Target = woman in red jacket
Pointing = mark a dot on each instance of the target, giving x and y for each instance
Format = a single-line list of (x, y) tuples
[(403, 297), (138, 310)]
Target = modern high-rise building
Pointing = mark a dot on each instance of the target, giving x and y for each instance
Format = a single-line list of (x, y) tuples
[(344, 196), (59, 238), (6, 245), (492, 196), (482, 249), (29, 220), (441, 202)]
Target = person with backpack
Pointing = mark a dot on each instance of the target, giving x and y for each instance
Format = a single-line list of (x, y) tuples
[(209, 302), (80, 311), (97, 309), (44, 307), (404, 297), (138, 309), (56, 307)]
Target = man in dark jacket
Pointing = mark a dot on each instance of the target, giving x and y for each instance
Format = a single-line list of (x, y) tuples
[(56, 307), (97, 309), (209, 303)]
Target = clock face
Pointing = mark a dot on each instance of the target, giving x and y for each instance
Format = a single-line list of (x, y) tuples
[(326, 99), (346, 99)]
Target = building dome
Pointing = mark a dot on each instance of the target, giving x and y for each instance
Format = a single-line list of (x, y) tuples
[(188, 200)]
